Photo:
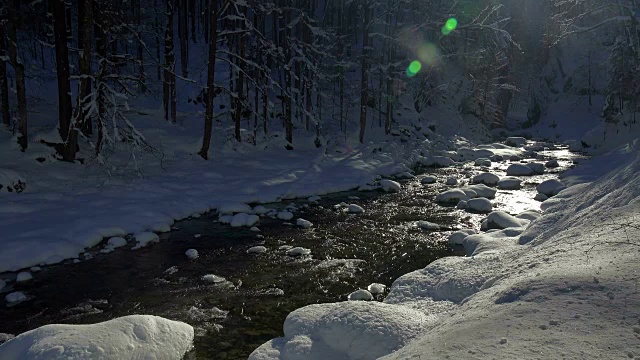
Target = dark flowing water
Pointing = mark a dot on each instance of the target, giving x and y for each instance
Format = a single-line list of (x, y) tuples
[(234, 317)]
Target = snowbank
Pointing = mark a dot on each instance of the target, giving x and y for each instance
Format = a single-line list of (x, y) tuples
[(129, 337)]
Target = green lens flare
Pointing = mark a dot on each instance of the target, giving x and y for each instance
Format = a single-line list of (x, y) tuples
[(450, 25), (414, 68)]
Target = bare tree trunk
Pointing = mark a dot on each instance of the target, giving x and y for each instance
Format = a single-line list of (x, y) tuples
[(85, 27), (68, 132), (4, 86), (211, 70), (288, 124), (101, 50), (241, 39), (18, 67), (140, 49), (169, 83), (364, 83)]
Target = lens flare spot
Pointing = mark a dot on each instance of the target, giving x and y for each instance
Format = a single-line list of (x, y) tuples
[(428, 54), (450, 25), (414, 68)]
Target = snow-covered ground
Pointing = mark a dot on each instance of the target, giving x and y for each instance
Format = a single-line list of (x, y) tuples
[(564, 286)]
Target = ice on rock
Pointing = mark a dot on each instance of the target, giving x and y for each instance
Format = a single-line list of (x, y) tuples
[(486, 178), (502, 220), (376, 288), (519, 170), (24, 276), (192, 254), (116, 242), (314, 198), (540, 197), (298, 251), (537, 168), (481, 190), (145, 238), (305, 224), (483, 162), (482, 205), (257, 250), (451, 181), (285, 215), (509, 183), (254, 229), (355, 209), (215, 279), (457, 237), (426, 225), (15, 297), (452, 196), (550, 187), (552, 164), (260, 210), (515, 141), (229, 208), (243, 219), (390, 185), (129, 337), (360, 295), (428, 180)]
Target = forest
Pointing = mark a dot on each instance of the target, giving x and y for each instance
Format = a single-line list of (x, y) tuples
[(315, 68)]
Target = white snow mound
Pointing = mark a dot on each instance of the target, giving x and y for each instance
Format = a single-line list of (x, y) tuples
[(142, 337)]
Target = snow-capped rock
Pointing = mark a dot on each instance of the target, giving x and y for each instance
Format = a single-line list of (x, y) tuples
[(481, 190), (256, 250), (376, 288), (215, 279), (502, 220), (305, 224), (429, 180), (129, 337), (509, 183), (298, 251), (192, 254), (426, 225), (549, 187), (243, 219), (363, 295), (457, 237), (390, 185), (404, 175), (15, 297), (145, 238), (519, 170), (24, 276), (486, 178), (451, 181), (452, 196), (537, 168), (229, 208), (355, 209), (285, 215), (116, 242), (482, 205), (483, 162)]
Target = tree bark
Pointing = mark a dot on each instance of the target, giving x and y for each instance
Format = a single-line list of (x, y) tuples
[(85, 28), (364, 83), (211, 70), (18, 67), (169, 82), (68, 132), (4, 86)]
